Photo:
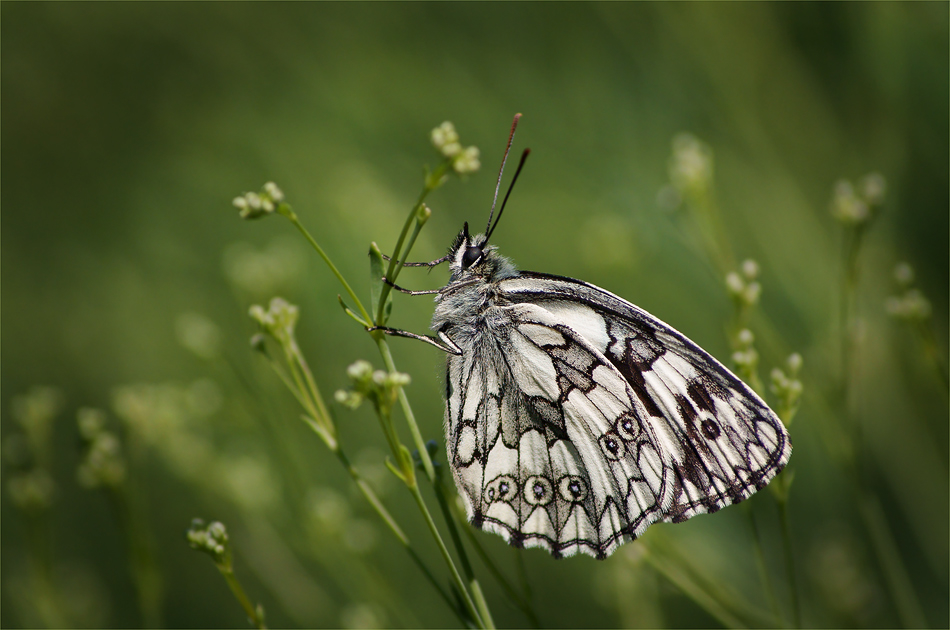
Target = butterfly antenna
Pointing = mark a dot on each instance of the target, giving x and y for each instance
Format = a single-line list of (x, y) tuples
[(511, 136), (524, 156)]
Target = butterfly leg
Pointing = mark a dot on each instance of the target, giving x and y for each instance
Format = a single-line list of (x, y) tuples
[(407, 291), (442, 342), (421, 264)]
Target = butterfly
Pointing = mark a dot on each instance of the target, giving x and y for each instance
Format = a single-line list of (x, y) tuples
[(575, 419)]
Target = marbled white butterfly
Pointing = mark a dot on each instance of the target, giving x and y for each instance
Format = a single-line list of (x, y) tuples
[(574, 419)]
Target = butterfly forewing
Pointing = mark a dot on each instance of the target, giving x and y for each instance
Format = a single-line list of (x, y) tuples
[(574, 419)]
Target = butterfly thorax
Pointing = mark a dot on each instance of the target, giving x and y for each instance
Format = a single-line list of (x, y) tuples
[(465, 303)]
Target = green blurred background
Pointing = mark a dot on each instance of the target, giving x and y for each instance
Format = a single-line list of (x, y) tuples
[(128, 128)]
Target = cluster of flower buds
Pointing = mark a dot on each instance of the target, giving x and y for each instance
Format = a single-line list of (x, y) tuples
[(911, 305), (446, 139), (742, 285), (691, 166), (278, 321), (787, 387), (746, 357), (378, 386), (102, 462), (27, 452), (255, 205), (853, 205), (210, 538)]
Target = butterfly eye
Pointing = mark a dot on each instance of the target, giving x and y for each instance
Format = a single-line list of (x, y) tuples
[(471, 255)]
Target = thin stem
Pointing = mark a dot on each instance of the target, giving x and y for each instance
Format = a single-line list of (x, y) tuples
[(435, 584), (763, 567), (321, 407), (384, 514), (433, 181), (389, 431), (516, 598), (407, 410), (287, 212), (253, 613), (691, 590), (303, 400), (46, 598), (902, 589), (790, 562), (709, 595), (883, 543), (145, 572), (371, 497), (354, 473), (456, 577), (299, 381), (711, 230), (481, 603), (929, 341), (449, 518)]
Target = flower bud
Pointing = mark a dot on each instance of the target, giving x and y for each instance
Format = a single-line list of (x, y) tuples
[(467, 161)]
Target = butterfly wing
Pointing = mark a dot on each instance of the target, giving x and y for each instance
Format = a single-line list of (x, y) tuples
[(602, 421)]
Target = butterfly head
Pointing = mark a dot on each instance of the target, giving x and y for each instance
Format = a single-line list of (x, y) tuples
[(472, 257), (468, 253)]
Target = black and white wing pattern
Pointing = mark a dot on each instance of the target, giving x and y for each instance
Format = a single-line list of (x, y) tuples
[(575, 419)]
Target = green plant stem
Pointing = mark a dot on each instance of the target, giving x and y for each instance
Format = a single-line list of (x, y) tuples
[(298, 382), (902, 589), (849, 284), (929, 342), (287, 212), (433, 180), (882, 540), (387, 518), (321, 408), (719, 602), (703, 599), (450, 522), (145, 572), (521, 602), (417, 439), (789, 562), (412, 484), (763, 567), (253, 614), (456, 577), (365, 489), (456, 520), (291, 385), (399, 256), (46, 598), (712, 232), (371, 497)]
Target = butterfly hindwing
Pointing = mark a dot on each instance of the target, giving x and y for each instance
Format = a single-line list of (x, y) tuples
[(578, 419), (540, 476), (728, 442)]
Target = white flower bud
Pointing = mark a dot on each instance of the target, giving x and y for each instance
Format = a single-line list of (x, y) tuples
[(360, 370), (253, 200), (274, 192), (467, 161), (446, 139), (746, 338), (734, 283), (750, 269)]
